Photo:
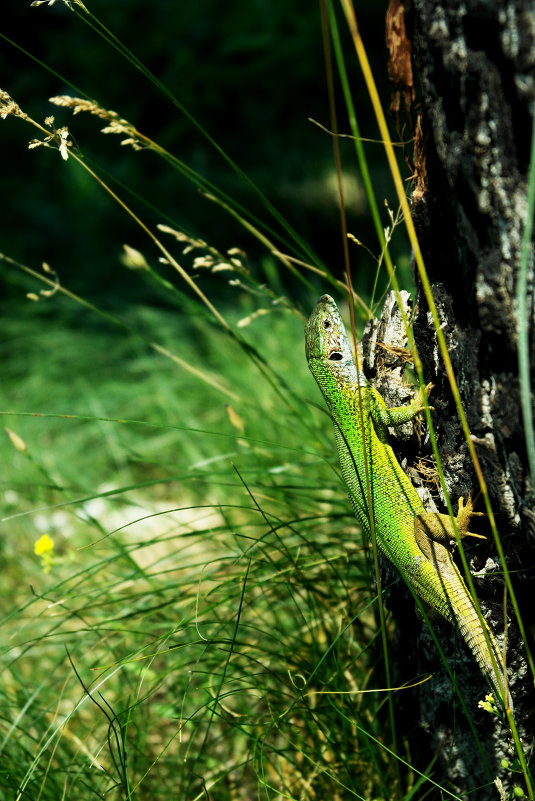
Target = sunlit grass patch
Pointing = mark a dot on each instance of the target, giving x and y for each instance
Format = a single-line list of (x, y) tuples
[(196, 592)]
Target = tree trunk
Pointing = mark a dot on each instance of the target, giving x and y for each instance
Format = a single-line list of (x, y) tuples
[(475, 65)]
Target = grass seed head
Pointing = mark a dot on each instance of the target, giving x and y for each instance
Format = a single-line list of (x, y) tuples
[(116, 124), (78, 104), (68, 3), (9, 107)]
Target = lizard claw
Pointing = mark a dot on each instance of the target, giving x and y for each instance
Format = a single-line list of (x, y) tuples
[(463, 518), (420, 397)]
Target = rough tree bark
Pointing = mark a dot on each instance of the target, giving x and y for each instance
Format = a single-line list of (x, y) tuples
[(474, 64)]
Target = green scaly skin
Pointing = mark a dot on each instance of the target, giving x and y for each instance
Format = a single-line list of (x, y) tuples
[(415, 541)]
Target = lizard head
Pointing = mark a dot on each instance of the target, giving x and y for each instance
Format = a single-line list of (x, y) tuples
[(326, 342)]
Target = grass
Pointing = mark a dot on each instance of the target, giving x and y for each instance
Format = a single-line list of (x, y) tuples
[(191, 633), (202, 622)]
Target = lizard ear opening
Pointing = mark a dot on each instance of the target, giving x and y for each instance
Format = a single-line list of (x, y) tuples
[(335, 356)]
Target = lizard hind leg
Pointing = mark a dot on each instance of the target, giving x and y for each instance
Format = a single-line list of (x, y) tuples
[(439, 528), (464, 514)]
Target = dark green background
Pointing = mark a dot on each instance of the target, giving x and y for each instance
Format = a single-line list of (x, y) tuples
[(252, 73)]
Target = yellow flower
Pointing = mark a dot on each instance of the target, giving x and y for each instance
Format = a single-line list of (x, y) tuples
[(44, 549), (489, 704), (44, 545)]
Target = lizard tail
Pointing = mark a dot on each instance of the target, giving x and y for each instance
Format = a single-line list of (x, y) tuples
[(457, 605), (481, 642)]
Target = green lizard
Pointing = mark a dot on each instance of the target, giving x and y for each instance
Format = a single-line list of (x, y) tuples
[(415, 541)]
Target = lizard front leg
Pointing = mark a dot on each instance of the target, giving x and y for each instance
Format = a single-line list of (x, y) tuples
[(397, 415)]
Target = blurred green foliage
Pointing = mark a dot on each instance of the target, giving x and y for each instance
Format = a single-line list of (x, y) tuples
[(251, 73)]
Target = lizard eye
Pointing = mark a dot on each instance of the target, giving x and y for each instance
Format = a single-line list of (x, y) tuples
[(335, 356), (326, 324)]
